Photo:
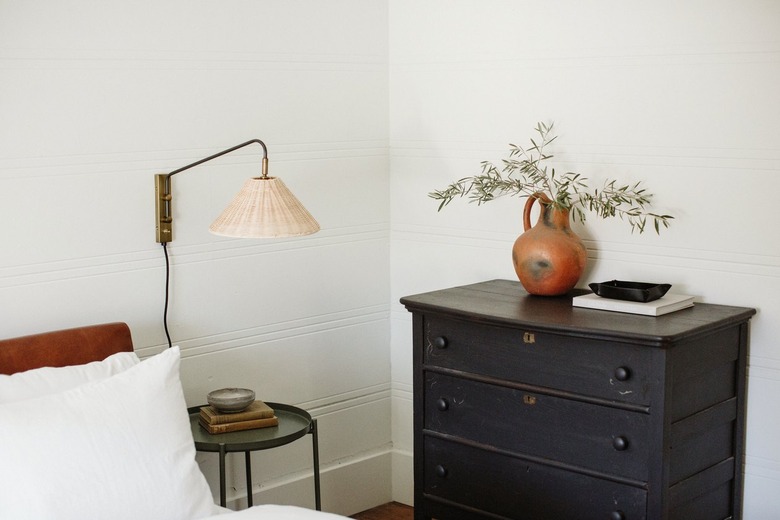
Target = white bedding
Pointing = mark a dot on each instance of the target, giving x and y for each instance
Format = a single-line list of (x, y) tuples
[(117, 446), (273, 512)]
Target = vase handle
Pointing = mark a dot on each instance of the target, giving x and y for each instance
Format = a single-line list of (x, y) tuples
[(543, 199)]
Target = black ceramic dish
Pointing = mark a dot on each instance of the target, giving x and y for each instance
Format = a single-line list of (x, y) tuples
[(631, 291)]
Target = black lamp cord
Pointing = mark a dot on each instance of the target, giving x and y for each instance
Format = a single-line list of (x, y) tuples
[(167, 283)]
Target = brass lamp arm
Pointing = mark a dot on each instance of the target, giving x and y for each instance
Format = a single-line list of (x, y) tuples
[(163, 197), (225, 152)]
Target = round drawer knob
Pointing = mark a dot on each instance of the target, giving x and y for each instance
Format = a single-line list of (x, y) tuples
[(441, 471), (442, 405), (622, 373), (620, 443), (617, 515), (440, 342)]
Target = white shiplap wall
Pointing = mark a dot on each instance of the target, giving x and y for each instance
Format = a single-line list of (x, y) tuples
[(682, 95), (97, 97)]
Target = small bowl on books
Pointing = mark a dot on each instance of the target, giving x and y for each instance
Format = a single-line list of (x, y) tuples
[(630, 291), (231, 400)]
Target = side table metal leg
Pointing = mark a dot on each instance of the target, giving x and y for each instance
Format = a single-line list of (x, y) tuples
[(248, 462), (222, 491), (316, 456)]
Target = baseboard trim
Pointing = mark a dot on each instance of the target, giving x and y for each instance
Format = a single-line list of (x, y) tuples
[(346, 486), (403, 477)]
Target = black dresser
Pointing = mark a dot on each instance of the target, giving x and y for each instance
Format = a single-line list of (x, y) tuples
[(526, 408)]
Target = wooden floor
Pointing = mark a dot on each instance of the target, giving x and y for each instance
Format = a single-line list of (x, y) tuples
[(391, 511)]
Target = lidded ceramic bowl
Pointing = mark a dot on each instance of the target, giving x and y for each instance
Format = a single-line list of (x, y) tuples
[(231, 400)]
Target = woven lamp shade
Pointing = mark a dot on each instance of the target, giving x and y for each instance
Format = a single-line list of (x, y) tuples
[(264, 208)]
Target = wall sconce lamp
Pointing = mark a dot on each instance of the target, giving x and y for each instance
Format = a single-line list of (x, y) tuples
[(264, 208)]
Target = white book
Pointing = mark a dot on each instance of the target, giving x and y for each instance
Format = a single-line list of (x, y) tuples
[(663, 305)]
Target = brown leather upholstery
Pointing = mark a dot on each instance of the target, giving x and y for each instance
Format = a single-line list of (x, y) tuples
[(64, 347)]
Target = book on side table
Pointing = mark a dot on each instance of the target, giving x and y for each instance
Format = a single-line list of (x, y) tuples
[(241, 425), (257, 415)]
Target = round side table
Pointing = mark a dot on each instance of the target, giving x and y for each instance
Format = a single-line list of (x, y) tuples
[(294, 423)]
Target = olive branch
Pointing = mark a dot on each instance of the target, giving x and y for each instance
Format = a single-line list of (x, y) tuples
[(526, 172)]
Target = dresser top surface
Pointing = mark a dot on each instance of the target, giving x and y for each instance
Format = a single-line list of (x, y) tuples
[(504, 302)]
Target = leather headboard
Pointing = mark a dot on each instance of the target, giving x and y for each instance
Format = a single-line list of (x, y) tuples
[(64, 347)]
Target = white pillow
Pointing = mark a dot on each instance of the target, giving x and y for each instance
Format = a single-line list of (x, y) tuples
[(276, 512), (119, 448), (50, 380)]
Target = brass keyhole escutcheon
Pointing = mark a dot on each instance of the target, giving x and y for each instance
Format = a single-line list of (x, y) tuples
[(529, 399), (529, 337)]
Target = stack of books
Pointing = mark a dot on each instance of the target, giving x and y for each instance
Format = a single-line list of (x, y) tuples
[(257, 415)]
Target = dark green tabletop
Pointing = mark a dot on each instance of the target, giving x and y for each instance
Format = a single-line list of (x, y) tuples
[(294, 423)]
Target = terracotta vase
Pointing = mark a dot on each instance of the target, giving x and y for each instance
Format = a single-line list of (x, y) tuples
[(549, 258)]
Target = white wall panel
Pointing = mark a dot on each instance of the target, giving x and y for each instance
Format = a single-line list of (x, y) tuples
[(97, 97), (681, 95)]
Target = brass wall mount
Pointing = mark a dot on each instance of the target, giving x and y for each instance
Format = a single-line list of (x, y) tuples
[(162, 209)]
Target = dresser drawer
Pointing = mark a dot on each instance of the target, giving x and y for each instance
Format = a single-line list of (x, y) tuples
[(523, 490), (596, 437), (607, 370)]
